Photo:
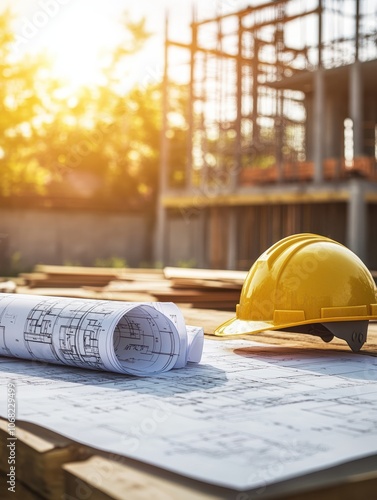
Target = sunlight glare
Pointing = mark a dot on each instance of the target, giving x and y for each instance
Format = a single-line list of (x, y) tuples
[(81, 36), (77, 43)]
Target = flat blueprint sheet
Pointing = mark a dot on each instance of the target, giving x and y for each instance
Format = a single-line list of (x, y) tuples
[(247, 416)]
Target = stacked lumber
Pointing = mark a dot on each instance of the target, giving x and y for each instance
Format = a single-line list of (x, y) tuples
[(212, 278), (132, 285), (72, 276), (201, 288)]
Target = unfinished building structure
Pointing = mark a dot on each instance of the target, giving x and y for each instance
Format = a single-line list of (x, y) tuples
[(281, 132)]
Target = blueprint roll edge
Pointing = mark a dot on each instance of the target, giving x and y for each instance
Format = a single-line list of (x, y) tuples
[(125, 337)]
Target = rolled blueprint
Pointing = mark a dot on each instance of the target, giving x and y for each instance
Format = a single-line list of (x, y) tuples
[(125, 337)]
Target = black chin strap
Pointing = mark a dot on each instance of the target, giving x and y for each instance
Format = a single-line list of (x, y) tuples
[(353, 332)]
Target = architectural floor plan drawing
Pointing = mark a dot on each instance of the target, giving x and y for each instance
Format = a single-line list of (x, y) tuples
[(52, 317), (138, 339), (246, 417)]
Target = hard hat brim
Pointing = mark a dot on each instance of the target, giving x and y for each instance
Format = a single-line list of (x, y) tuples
[(237, 326)]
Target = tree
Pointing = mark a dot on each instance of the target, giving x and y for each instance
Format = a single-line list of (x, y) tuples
[(20, 172), (101, 144)]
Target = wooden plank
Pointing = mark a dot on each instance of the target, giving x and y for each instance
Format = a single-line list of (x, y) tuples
[(210, 319), (104, 479), (126, 296), (39, 459), (70, 276), (79, 270), (107, 479), (131, 286), (214, 296), (21, 491), (8, 286), (354, 487), (35, 280), (200, 284), (73, 292), (141, 277), (205, 274)]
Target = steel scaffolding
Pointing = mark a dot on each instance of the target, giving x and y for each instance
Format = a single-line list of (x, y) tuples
[(252, 77), (277, 93)]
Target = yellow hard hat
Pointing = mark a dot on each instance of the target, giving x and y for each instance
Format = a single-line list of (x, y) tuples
[(309, 284)]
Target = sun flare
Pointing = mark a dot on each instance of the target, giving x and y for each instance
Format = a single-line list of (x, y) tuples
[(77, 42), (80, 35)]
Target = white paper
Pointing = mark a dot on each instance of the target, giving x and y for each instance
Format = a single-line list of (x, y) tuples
[(124, 337), (246, 417)]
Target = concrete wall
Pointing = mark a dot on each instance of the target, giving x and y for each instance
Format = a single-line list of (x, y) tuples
[(202, 237), (33, 236), (187, 238)]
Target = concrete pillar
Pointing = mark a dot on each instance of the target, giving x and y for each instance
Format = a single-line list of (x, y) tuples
[(356, 107), (203, 228), (319, 98), (4, 252), (190, 111), (161, 219), (309, 127), (357, 219), (235, 172), (334, 126), (255, 66), (232, 239), (279, 131), (318, 129), (370, 121)]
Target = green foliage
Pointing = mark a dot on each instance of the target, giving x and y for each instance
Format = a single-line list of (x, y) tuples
[(15, 264), (100, 144), (187, 264), (71, 263), (146, 264), (114, 262), (21, 103), (264, 161)]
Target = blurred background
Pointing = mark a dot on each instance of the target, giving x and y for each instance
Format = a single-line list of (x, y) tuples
[(191, 134)]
